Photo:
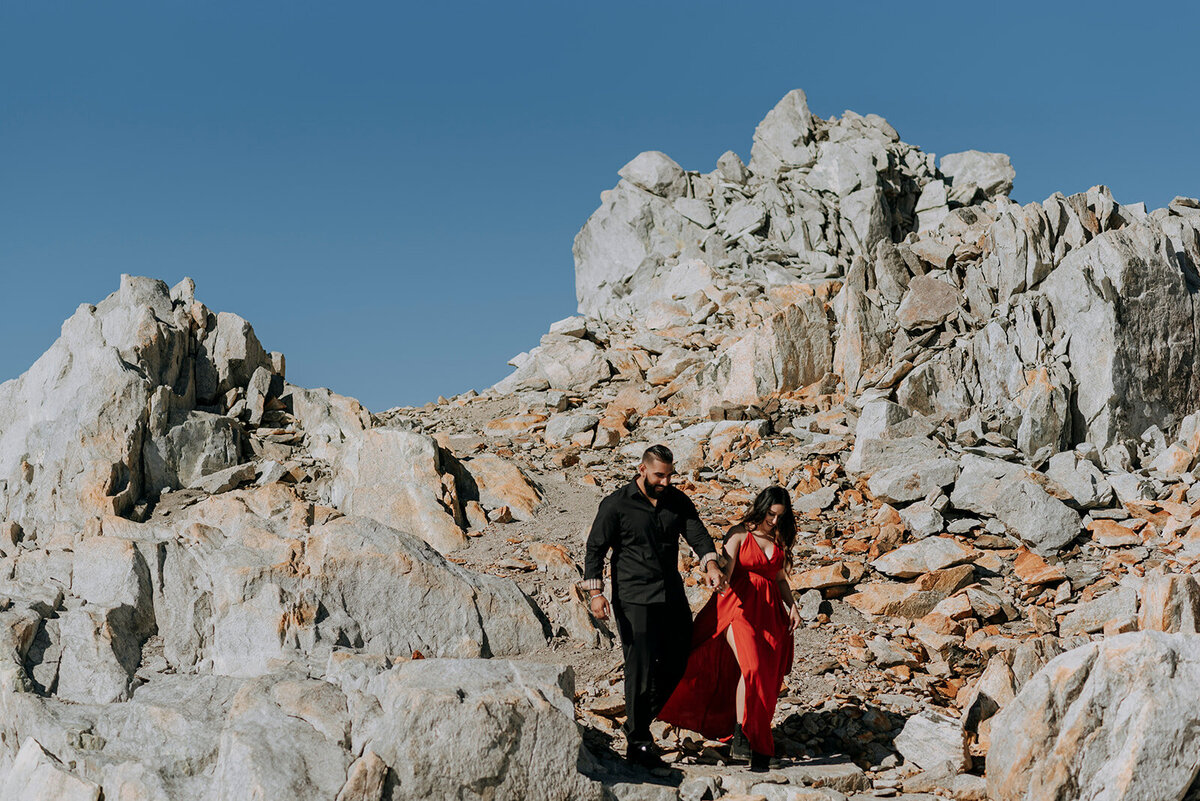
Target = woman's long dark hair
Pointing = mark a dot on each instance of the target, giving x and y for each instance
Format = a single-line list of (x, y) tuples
[(786, 527)]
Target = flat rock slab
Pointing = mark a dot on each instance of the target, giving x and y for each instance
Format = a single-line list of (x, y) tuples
[(923, 556), (815, 501)]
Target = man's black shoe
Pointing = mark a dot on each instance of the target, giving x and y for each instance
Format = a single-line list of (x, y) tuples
[(644, 754), (760, 763)]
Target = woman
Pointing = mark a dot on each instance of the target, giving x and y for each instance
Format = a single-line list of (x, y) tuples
[(742, 640)]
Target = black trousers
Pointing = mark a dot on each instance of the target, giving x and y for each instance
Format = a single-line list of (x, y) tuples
[(656, 640)]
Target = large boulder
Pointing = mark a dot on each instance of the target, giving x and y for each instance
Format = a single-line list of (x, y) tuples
[(791, 349), (866, 309), (283, 739), (38, 776), (181, 452), (396, 477), (72, 426), (1126, 298), (1113, 719), (783, 139), (1019, 498), (560, 362), (254, 583), (625, 243), (446, 726), (501, 482), (655, 172), (227, 355), (976, 175), (328, 419)]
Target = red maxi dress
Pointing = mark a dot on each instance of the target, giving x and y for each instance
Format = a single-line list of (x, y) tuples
[(705, 699)]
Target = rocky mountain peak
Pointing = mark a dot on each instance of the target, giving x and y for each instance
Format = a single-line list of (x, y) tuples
[(985, 414)]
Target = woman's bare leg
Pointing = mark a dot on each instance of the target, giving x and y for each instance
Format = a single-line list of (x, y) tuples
[(740, 702)]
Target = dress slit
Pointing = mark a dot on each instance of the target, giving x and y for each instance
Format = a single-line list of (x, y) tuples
[(705, 700)]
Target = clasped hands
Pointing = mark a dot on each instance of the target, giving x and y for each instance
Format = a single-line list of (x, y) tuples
[(713, 576)]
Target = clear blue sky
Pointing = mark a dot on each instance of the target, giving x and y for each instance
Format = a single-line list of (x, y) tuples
[(389, 191)]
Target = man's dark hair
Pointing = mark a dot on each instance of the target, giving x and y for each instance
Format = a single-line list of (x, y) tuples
[(658, 453)]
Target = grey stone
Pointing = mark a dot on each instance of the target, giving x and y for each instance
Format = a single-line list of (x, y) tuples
[(1080, 478), (930, 740), (696, 210), (396, 477), (283, 738), (923, 556), (225, 480), (216, 604), (731, 168), (782, 140), (227, 356), (921, 519), (563, 364), (743, 217), (834, 773), (486, 713), (37, 775), (1116, 716), (623, 254), (109, 572), (843, 167), (1119, 604), (198, 445), (574, 326), (929, 301), (909, 482), (991, 173), (1016, 497), (327, 419), (790, 350), (258, 390), (1123, 295), (655, 172), (871, 455), (100, 652), (98, 376), (561, 427), (818, 499), (878, 418), (1130, 487)]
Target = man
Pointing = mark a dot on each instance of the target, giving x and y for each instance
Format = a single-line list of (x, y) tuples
[(641, 524)]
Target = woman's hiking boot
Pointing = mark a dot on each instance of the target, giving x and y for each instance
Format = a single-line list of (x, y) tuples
[(739, 746)]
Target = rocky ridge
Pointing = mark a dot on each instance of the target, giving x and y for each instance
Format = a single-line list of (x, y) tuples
[(214, 580)]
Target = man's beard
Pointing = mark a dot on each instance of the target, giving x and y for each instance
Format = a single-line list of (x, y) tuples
[(654, 490)]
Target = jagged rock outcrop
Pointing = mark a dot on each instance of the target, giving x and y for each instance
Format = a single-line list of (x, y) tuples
[(110, 415), (1110, 720), (139, 577)]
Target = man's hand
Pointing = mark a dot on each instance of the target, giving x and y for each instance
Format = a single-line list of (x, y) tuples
[(716, 576), (599, 606)]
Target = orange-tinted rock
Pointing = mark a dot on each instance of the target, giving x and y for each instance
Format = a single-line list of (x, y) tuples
[(555, 559), (839, 574), (1032, 569), (515, 424)]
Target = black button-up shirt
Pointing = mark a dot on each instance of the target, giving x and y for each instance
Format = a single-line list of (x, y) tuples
[(644, 540)]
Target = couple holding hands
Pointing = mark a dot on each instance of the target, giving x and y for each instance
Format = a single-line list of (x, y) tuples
[(721, 674)]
